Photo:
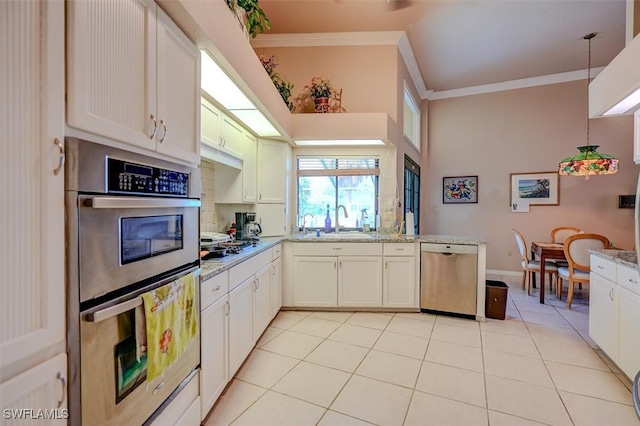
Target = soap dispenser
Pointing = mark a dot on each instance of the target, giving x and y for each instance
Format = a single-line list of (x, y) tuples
[(363, 219), (327, 221)]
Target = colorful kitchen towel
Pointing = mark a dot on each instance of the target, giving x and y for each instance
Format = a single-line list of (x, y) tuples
[(171, 323)]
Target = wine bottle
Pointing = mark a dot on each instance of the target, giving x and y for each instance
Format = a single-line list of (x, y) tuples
[(327, 221)]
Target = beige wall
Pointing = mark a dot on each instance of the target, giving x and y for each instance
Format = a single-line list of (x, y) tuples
[(518, 131)]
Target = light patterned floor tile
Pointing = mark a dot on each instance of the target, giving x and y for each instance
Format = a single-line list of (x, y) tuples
[(274, 409), (517, 367), (333, 418), (312, 383), (517, 345), (525, 400), (341, 356), (555, 320), (332, 316), (411, 327), (420, 316), (454, 334), (268, 335), (556, 334), (571, 354), (286, 319), (356, 335), (587, 411), (390, 368), (588, 382), (373, 401), (295, 345), (370, 320), (459, 322), (265, 368), (453, 383), (315, 327), (502, 419), (442, 411), (237, 398), (517, 328), (455, 355), (402, 344)]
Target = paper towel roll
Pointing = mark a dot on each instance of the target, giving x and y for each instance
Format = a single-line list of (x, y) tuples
[(410, 225)]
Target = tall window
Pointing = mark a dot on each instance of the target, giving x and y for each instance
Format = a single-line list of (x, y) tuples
[(411, 118), (412, 191), (351, 182)]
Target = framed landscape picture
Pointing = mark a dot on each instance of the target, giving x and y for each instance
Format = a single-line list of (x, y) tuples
[(536, 189), (460, 189)]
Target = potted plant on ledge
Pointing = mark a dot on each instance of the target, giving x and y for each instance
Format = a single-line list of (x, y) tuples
[(255, 20), (283, 86), (321, 91)]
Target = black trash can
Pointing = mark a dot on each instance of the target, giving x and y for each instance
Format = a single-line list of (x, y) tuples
[(495, 303)]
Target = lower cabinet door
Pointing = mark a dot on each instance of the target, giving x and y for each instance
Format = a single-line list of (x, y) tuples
[(276, 287), (261, 301), (629, 332), (360, 281), (214, 368), (603, 314), (399, 282), (315, 281), (240, 324)]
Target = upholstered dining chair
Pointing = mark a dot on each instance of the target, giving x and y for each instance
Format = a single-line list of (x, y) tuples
[(530, 267), (576, 250), (561, 233)]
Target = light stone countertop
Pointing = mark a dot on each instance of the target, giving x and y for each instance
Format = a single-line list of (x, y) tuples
[(215, 266), (623, 257)]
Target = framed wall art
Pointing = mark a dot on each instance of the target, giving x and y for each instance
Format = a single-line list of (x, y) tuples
[(537, 188), (460, 189)]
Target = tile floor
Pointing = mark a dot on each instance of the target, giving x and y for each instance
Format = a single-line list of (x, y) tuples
[(539, 366)]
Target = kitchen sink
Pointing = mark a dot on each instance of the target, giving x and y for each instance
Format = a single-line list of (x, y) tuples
[(339, 236)]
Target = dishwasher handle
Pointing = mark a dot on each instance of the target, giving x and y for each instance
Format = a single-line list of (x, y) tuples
[(449, 249)]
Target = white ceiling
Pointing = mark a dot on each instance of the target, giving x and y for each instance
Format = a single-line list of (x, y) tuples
[(466, 43)]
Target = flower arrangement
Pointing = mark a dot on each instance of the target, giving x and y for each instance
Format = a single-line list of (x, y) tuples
[(283, 86), (320, 88)]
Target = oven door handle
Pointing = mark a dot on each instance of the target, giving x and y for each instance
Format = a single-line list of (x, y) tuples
[(112, 311), (138, 203)]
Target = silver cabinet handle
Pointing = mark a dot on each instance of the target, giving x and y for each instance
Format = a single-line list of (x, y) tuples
[(632, 281), (228, 308), (164, 133), (138, 202), (61, 160), (63, 381), (600, 267), (334, 265), (611, 294), (215, 289), (337, 248), (155, 127)]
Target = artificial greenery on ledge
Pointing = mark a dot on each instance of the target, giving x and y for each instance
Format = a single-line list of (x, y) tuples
[(255, 20), (283, 86)]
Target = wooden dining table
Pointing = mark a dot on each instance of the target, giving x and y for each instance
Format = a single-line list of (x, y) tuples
[(545, 251)]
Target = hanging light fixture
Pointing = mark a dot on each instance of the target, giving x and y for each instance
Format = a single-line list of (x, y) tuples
[(588, 161)]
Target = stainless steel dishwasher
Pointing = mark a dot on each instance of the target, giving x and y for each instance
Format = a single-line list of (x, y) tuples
[(449, 278)]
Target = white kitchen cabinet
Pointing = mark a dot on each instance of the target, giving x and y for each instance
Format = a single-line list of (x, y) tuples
[(315, 281), (134, 77), (276, 286), (42, 387), (629, 332), (359, 281), (249, 167), (636, 136), (241, 340), (210, 118), (32, 123), (399, 282), (272, 171), (214, 359), (231, 136), (261, 301), (603, 318)]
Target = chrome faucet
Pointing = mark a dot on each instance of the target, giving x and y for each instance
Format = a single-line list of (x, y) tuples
[(346, 215), (304, 223)]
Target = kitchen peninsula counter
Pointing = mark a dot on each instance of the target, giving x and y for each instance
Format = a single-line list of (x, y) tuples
[(215, 266), (623, 257)]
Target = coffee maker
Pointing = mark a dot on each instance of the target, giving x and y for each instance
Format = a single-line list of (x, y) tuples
[(246, 226)]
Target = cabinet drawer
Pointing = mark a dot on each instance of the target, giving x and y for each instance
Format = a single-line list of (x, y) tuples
[(399, 249), (213, 288), (629, 278), (337, 249), (604, 268), (276, 252), (239, 274)]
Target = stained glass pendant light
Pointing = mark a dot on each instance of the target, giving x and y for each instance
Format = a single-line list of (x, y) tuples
[(588, 161)]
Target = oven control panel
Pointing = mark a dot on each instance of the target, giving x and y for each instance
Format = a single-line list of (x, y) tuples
[(125, 177)]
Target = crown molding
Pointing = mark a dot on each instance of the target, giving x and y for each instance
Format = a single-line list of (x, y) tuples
[(364, 38), (542, 80)]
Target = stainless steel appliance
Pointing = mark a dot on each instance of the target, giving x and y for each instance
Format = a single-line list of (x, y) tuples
[(448, 278), (246, 226), (132, 225)]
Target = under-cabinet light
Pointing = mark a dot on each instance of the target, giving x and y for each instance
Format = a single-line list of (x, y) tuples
[(256, 121), (628, 103), (339, 142)]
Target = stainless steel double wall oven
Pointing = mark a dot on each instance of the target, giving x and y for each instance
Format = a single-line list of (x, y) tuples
[(132, 226)]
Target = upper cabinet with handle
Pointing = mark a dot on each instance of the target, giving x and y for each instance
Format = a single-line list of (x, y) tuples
[(133, 77)]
